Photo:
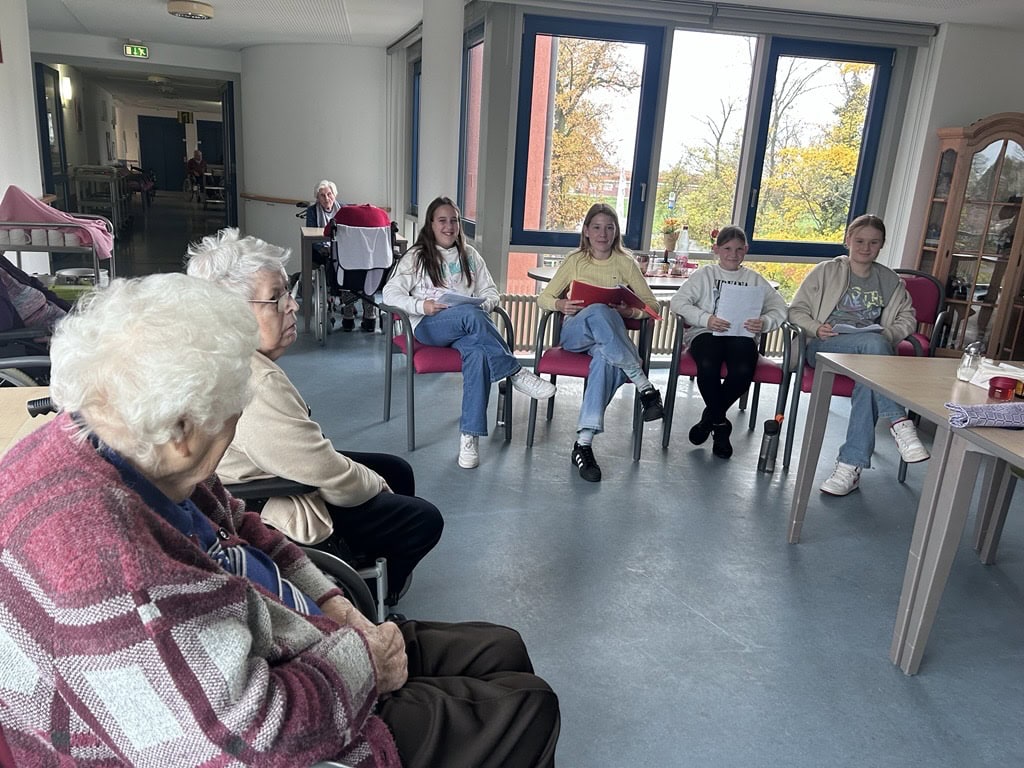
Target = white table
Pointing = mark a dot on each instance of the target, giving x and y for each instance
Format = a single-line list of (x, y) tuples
[(922, 385)]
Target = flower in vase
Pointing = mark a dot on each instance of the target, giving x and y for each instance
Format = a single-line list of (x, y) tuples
[(670, 226)]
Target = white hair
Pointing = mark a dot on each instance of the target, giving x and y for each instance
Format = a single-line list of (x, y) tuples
[(232, 261), (145, 359), (328, 185)]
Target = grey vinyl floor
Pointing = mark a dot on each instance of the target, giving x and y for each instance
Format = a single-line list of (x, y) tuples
[(665, 606)]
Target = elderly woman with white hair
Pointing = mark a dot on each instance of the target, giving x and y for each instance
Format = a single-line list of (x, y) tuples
[(366, 505), (146, 619)]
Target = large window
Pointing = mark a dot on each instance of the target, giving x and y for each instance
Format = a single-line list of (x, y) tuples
[(816, 145), (586, 135), (469, 137)]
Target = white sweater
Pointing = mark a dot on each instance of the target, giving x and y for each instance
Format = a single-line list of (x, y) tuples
[(696, 299), (409, 287)]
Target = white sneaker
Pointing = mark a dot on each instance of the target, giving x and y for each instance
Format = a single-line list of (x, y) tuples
[(532, 385), (469, 451), (844, 479), (909, 444)]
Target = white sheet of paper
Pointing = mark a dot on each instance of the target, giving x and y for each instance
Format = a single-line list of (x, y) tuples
[(846, 328), (454, 299), (737, 304)]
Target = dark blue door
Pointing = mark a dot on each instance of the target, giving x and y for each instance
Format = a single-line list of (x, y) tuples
[(162, 150), (211, 141)]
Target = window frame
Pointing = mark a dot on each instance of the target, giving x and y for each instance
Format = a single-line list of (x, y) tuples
[(883, 58), (650, 35), (474, 37), (415, 83)]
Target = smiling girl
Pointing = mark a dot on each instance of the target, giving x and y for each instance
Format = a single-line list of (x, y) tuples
[(856, 291), (696, 302), (600, 330), (442, 262)]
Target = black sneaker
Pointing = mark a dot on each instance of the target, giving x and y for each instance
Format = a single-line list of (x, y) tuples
[(348, 323), (368, 324), (650, 401), (583, 457), (701, 431), (721, 446)]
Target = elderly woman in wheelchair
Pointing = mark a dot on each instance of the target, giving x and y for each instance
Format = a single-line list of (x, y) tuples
[(365, 505), (149, 620)]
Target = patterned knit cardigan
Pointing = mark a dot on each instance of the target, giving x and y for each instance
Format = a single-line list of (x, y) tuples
[(122, 643)]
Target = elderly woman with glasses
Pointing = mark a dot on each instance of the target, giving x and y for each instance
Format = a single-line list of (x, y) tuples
[(146, 619), (366, 504)]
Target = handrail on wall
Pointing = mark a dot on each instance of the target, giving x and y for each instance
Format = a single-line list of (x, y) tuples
[(288, 200)]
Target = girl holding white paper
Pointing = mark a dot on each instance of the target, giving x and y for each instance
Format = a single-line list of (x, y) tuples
[(714, 340), (854, 290)]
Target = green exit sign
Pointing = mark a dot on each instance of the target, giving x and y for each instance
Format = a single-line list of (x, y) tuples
[(136, 51)]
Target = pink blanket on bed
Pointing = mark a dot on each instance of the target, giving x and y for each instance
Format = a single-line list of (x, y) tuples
[(18, 205)]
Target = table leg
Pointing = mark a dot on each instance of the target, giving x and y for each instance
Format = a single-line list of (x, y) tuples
[(919, 540), (814, 433), (307, 280), (994, 515), (940, 545)]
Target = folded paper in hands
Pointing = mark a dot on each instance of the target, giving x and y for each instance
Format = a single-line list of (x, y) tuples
[(620, 294), (986, 415)]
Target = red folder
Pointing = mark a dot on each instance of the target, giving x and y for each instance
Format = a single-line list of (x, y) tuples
[(620, 294)]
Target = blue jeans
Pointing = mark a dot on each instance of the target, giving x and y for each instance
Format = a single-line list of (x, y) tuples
[(485, 357), (599, 331), (866, 405)]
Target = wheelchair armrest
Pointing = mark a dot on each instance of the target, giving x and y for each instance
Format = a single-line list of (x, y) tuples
[(268, 487)]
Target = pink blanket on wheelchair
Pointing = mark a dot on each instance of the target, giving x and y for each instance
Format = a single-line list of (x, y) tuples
[(18, 205)]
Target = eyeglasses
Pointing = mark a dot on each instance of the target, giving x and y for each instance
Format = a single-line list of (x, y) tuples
[(281, 301)]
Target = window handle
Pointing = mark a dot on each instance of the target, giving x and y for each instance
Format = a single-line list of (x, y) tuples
[(643, 192), (753, 197)]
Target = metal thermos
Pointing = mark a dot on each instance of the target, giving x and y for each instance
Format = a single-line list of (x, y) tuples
[(769, 446)]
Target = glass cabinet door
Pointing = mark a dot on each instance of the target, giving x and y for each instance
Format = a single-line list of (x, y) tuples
[(937, 211), (983, 241)]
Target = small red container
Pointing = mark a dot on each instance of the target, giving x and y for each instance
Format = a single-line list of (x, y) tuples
[(1001, 387)]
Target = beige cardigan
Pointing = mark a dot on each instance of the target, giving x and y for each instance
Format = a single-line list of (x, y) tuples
[(276, 437)]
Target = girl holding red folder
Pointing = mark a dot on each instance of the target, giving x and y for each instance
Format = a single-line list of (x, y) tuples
[(600, 330)]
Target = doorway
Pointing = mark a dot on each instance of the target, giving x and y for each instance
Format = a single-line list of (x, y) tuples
[(50, 115), (162, 150)]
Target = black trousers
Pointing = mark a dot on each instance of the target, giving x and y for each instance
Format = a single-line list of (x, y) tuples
[(472, 700), (739, 353), (399, 526)]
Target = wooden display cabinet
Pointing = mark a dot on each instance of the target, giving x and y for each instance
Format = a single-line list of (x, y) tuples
[(973, 238)]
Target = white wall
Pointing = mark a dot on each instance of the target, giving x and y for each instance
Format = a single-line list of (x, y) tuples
[(310, 112), (971, 72), (19, 160)]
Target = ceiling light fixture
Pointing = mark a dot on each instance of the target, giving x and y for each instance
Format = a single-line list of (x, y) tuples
[(190, 9)]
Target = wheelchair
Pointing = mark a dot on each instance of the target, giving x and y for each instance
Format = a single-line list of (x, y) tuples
[(352, 266), (351, 581), (24, 361)]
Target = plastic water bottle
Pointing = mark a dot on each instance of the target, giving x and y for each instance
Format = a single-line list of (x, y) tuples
[(684, 241), (769, 446)]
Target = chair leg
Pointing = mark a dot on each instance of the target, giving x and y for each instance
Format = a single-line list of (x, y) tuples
[(755, 399), (532, 423), (506, 406), (670, 407), (410, 399), (638, 426), (791, 431)]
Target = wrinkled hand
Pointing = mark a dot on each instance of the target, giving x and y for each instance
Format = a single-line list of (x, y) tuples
[(387, 648), (754, 324), (825, 331), (431, 307), (568, 307), (340, 610), (715, 323)]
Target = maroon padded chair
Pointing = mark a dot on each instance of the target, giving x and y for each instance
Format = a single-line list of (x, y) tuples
[(425, 358), (555, 361), (767, 371)]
